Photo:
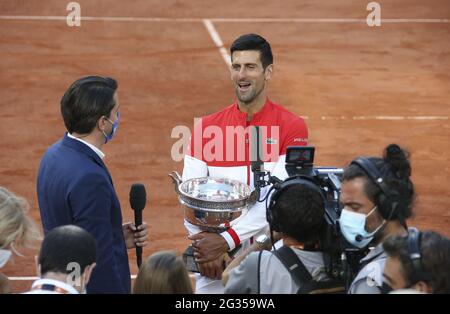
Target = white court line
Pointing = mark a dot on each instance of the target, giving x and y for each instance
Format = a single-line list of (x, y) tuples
[(428, 118), (392, 118), (23, 278), (216, 38), (31, 278), (101, 18), (219, 20), (400, 118), (415, 21), (322, 20)]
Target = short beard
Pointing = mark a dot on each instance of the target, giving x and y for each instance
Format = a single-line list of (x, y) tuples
[(251, 97)]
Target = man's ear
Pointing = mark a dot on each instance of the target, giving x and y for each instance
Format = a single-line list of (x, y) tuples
[(268, 72), (38, 267), (88, 272), (101, 123), (423, 287)]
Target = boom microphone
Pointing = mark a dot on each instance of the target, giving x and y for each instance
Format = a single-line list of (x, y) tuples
[(138, 198), (256, 161), (359, 237)]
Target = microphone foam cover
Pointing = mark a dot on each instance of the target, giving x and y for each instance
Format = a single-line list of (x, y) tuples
[(138, 196)]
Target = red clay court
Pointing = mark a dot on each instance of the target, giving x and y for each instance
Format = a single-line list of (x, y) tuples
[(359, 87)]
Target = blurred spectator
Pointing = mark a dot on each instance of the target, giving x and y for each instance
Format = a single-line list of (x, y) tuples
[(5, 287), (65, 262), (165, 273), (16, 228), (420, 262)]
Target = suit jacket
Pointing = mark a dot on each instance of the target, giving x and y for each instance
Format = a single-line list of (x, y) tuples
[(75, 187)]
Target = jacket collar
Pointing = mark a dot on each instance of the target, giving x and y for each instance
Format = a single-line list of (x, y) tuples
[(82, 148), (93, 147), (257, 116)]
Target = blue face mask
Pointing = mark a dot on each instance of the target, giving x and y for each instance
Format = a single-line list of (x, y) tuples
[(115, 125), (353, 228)]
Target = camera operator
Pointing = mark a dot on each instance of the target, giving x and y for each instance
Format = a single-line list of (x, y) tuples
[(417, 263), (378, 196), (296, 212)]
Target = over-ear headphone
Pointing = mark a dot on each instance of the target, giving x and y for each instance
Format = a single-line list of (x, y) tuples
[(389, 199), (414, 240), (271, 213)]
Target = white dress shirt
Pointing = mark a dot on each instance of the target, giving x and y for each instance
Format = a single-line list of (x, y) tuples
[(95, 149)]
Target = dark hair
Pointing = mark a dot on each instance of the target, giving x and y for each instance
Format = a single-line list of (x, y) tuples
[(85, 101), (254, 42), (163, 272), (64, 245), (300, 213), (435, 259), (395, 169)]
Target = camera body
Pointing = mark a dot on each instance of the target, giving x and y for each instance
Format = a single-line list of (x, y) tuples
[(341, 259), (300, 163)]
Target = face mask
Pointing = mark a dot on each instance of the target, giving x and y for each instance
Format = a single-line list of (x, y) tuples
[(353, 228), (4, 257), (115, 125)]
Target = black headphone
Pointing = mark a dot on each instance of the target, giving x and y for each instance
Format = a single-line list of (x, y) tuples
[(388, 200), (271, 213), (414, 240)]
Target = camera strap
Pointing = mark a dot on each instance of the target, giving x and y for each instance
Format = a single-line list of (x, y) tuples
[(294, 265), (303, 278)]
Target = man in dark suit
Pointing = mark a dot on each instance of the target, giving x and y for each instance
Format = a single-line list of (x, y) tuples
[(75, 187)]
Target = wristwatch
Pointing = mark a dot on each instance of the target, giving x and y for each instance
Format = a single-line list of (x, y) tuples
[(263, 240)]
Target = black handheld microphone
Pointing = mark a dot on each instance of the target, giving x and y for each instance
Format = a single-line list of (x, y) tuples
[(138, 198)]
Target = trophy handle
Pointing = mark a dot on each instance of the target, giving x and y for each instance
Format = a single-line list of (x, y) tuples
[(253, 198), (176, 178)]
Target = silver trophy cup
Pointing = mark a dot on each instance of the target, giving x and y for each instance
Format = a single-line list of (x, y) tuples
[(211, 204)]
